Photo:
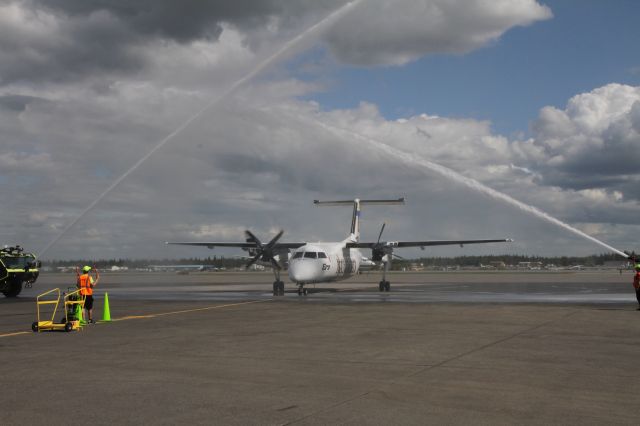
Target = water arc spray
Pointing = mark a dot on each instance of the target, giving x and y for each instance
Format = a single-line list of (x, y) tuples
[(278, 55), (416, 160)]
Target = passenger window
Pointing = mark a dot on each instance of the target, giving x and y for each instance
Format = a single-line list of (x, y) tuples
[(297, 255), (310, 255), (321, 255)]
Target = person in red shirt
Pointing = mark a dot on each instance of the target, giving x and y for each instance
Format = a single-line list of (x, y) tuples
[(636, 283), (86, 284)]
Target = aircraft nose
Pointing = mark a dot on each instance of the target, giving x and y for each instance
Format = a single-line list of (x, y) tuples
[(302, 271)]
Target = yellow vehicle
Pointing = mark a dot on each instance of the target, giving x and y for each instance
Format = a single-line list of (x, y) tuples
[(69, 322), (17, 267)]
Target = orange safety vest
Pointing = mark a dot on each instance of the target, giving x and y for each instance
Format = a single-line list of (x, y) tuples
[(84, 281)]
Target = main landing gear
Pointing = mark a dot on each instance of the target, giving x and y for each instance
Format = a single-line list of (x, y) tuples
[(278, 288), (385, 285), (301, 290), (278, 285)]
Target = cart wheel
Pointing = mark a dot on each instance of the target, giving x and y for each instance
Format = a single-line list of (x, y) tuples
[(68, 327), (34, 327)]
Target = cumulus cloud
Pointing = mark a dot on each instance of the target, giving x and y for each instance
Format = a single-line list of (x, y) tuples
[(197, 19), (25, 162), (38, 45), (372, 37), (69, 40), (214, 232), (258, 161), (518, 168), (593, 142), (72, 40)]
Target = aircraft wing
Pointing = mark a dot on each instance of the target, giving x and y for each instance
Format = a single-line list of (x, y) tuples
[(424, 243), (243, 244)]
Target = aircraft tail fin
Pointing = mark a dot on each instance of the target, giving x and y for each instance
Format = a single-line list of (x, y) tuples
[(357, 203)]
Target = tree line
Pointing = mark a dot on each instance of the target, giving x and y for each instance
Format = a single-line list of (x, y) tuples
[(560, 261), (215, 261)]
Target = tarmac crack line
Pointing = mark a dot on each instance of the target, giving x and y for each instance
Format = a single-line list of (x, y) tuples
[(427, 368), (488, 345), (16, 333)]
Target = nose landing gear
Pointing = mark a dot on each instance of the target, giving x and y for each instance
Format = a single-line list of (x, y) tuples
[(301, 290)]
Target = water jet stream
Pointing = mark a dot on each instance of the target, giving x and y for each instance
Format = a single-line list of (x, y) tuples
[(416, 160), (278, 55)]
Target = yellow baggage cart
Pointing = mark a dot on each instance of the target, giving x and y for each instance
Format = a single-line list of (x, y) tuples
[(52, 297)]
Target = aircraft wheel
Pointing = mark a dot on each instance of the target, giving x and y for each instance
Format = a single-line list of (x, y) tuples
[(299, 291), (68, 327), (276, 288), (14, 288), (387, 286), (281, 288), (34, 327), (381, 286)]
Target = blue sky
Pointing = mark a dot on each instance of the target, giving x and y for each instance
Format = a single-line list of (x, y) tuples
[(587, 44)]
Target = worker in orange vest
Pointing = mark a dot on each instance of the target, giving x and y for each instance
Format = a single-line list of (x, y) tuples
[(86, 283)]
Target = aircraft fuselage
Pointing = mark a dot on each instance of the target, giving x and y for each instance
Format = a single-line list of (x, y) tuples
[(323, 262)]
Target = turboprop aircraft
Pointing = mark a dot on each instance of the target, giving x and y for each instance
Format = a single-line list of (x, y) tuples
[(320, 262)]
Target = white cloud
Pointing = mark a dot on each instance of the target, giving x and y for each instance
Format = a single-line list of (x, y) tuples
[(44, 42), (599, 195), (216, 232), (259, 167), (394, 32), (258, 161), (24, 162), (592, 142)]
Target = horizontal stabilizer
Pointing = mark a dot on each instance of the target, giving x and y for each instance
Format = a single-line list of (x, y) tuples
[(357, 204), (350, 202)]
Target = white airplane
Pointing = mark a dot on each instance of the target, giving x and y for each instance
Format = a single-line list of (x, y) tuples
[(328, 261)]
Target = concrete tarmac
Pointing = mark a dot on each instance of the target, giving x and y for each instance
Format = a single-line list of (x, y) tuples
[(454, 348)]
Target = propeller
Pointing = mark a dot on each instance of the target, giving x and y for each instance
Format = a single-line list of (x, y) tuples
[(264, 252), (379, 250), (381, 231)]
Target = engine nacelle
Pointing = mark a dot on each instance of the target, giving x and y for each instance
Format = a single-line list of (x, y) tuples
[(381, 250), (377, 254)]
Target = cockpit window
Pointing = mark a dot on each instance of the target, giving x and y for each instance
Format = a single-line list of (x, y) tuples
[(321, 255), (310, 255), (297, 255)]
